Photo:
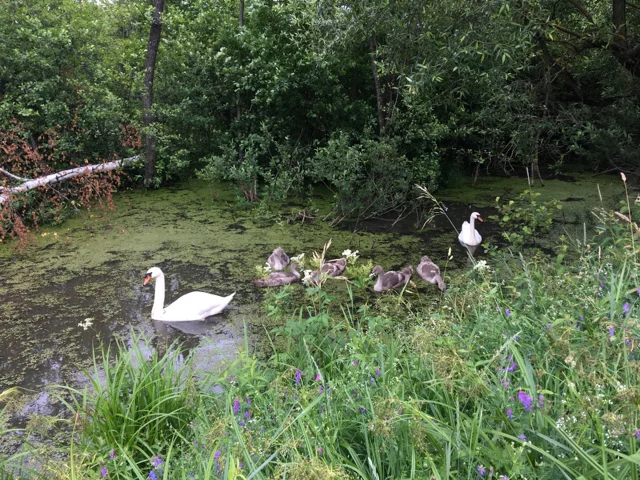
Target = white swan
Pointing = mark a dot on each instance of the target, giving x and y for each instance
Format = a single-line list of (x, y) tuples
[(189, 307), (469, 236)]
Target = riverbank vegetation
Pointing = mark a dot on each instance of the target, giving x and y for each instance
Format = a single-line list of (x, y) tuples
[(526, 368)]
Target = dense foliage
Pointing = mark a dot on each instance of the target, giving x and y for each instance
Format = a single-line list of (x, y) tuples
[(367, 98)]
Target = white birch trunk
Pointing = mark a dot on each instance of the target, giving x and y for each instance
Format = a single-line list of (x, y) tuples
[(63, 175)]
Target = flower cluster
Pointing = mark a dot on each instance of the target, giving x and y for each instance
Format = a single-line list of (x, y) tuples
[(86, 323), (156, 463), (298, 258), (350, 256), (481, 266)]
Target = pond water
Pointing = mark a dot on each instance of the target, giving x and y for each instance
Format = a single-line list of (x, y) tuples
[(92, 267)]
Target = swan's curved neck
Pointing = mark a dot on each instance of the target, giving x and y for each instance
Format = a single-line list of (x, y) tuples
[(158, 299), (470, 235)]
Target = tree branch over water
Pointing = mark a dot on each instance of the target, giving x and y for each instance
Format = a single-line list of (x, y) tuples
[(61, 176)]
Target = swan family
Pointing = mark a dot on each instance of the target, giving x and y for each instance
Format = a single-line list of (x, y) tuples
[(200, 305)]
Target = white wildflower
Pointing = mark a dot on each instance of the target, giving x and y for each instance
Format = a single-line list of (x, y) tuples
[(350, 256), (86, 323), (307, 277), (267, 267), (298, 258), (481, 266)]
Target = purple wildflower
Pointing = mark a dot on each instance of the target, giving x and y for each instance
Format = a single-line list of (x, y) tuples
[(152, 475), (192, 475), (240, 464), (525, 400), (522, 437), (373, 380), (320, 389), (320, 451), (627, 341), (507, 312), (638, 291), (248, 402), (541, 401), (506, 382), (156, 461), (298, 376), (355, 363), (481, 470), (377, 371), (637, 434), (512, 367), (612, 331), (112, 454), (363, 410), (318, 377), (104, 472), (548, 326), (510, 413), (626, 307), (241, 423), (582, 318), (236, 405), (247, 415), (216, 456)]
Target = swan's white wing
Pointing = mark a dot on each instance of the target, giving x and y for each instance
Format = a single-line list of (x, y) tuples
[(463, 232), (195, 306)]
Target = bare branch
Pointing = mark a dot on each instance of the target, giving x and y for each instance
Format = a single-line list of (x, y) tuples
[(64, 175), (566, 30), (578, 4), (12, 176)]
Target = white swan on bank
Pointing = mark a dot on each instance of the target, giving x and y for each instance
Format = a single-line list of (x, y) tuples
[(189, 307), (469, 237)]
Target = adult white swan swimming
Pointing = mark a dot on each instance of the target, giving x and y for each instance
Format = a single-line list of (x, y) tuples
[(469, 237), (189, 307)]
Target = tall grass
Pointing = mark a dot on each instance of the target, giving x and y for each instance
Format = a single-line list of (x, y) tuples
[(135, 410)]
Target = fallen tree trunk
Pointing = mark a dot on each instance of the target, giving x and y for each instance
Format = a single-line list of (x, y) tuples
[(63, 175)]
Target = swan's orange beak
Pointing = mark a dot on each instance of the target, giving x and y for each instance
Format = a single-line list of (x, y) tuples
[(147, 279), (480, 218)]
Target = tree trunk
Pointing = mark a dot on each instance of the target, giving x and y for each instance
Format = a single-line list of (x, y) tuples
[(619, 18), (376, 81), (30, 184), (238, 107), (147, 99)]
